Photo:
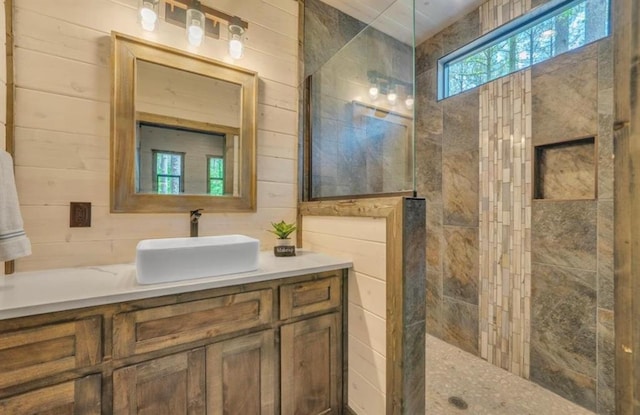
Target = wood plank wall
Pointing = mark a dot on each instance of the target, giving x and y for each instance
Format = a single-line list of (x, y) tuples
[(363, 240), (626, 26), (3, 91), (62, 125)]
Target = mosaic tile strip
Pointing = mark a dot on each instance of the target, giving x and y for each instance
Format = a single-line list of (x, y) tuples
[(505, 208)]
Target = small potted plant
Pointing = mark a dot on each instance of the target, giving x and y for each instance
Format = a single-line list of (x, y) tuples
[(284, 245)]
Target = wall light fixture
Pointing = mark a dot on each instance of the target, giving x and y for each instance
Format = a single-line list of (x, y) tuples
[(200, 21), (195, 24), (148, 14), (236, 38), (391, 87)]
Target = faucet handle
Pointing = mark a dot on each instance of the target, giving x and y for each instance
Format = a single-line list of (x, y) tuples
[(195, 214)]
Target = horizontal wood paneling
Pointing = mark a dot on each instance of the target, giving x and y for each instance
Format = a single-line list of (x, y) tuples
[(363, 240), (64, 76), (369, 364), (365, 229), (60, 150), (62, 111), (368, 328), (369, 293), (368, 257), (277, 145), (363, 397), (50, 224)]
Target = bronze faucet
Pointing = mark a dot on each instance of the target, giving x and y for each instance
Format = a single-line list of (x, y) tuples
[(194, 217)]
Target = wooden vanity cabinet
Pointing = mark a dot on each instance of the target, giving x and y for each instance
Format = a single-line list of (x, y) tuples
[(264, 348), (241, 375), (77, 397), (311, 366), (169, 385)]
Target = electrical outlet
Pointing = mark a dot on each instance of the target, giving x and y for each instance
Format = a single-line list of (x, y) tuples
[(80, 214)]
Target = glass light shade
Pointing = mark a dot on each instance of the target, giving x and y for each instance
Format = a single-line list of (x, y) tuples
[(392, 96), (148, 14), (195, 27), (374, 91), (409, 102), (236, 41)]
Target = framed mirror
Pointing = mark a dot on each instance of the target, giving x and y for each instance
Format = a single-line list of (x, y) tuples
[(183, 131)]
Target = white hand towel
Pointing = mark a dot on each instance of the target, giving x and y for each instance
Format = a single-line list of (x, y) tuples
[(13, 241)]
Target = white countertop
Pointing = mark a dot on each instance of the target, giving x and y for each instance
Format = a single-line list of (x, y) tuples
[(37, 292)]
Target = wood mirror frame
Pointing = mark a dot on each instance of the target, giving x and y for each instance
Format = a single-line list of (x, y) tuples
[(125, 51)]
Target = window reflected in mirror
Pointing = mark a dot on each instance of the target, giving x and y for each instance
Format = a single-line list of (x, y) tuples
[(175, 161), (168, 172)]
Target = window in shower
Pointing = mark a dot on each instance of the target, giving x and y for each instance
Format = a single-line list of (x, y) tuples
[(547, 31)]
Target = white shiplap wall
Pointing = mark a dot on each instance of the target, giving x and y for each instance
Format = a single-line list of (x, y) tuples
[(362, 240), (62, 109)]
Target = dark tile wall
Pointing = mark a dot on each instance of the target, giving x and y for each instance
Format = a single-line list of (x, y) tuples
[(572, 330), (572, 241), (326, 31), (447, 175), (355, 152)]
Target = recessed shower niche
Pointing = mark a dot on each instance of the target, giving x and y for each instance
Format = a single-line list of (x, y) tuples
[(566, 170)]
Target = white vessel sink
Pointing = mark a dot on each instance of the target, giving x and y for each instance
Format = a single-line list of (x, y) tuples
[(177, 259)]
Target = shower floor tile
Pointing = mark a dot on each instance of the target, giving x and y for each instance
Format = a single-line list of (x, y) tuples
[(485, 388)]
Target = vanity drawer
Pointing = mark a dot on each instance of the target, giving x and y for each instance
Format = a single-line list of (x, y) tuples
[(309, 296), (148, 330), (36, 353)]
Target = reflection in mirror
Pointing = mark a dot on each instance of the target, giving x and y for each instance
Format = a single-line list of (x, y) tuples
[(190, 147), (183, 130)]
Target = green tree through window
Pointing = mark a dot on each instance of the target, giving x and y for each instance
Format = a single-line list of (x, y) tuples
[(168, 171), (530, 39), (215, 175)]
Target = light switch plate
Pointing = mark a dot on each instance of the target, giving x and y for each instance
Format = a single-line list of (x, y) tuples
[(80, 214)]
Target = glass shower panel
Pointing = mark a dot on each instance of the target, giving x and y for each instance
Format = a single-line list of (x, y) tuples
[(362, 121)]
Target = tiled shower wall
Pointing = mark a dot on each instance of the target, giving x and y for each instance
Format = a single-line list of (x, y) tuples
[(505, 207), (564, 326)]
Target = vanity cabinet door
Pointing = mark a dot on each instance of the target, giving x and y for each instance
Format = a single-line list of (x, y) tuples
[(311, 366), (240, 375), (309, 297), (48, 350), (78, 397), (148, 330), (171, 385)]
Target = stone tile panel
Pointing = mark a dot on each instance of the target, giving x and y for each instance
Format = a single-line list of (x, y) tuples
[(564, 104), (605, 254), (563, 332), (460, 278), (460, 324), (564, 233), (461, 127), (460, 188)]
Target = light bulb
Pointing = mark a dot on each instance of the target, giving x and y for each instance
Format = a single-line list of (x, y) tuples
[(236, 48), (409, 102), (148, 15), (236, 38), (392, 97), (195, 27), (374, 91)]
